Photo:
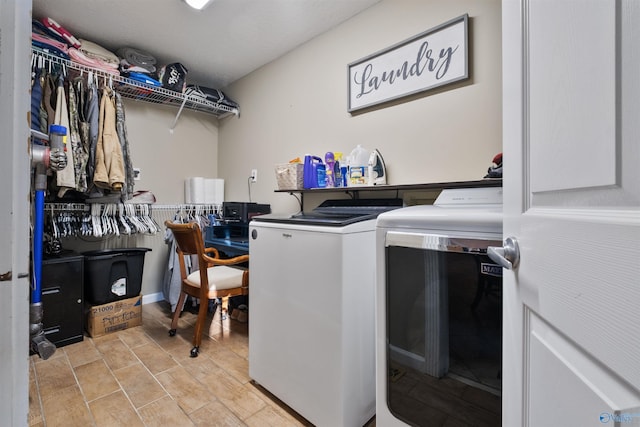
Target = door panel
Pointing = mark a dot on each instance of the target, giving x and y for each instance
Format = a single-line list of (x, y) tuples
[(583, 272), (572, 200), (595, 399), (572, 62)]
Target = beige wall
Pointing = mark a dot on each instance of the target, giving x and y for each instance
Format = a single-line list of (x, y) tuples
[(298, 104), (166, 157)]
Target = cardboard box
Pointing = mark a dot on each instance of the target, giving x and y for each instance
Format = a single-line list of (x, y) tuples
[(114, 316)]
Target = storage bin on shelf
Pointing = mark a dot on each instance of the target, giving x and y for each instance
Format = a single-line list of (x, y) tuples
[(113, 274), (290, 176)]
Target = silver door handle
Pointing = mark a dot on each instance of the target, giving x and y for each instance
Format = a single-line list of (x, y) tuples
[(508, 256)]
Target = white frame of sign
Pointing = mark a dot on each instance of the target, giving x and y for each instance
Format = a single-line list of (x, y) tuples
[(434, 58)]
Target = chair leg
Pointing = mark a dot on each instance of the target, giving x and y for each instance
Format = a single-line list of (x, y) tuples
[(197, 337), (176, 314), (224, 307)]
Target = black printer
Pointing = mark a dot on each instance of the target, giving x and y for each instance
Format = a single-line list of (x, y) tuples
[(234, 220), (242, 212)]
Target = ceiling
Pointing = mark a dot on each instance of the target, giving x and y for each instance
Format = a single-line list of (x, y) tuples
[(218, 45)]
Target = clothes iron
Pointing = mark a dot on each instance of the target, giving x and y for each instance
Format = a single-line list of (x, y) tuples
[(377, 171)]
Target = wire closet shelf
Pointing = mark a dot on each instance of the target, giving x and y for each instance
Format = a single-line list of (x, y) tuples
[(132, 89)]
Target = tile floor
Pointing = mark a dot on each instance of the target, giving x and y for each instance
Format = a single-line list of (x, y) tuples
[(143, 377)]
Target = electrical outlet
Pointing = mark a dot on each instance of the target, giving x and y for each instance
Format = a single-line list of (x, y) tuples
[(254, 175)]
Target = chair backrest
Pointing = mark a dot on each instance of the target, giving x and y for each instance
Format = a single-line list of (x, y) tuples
[(188, 238), (189, 241)]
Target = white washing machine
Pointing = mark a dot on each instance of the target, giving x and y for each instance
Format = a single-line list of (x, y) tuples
[(312, 310), (439, 312)]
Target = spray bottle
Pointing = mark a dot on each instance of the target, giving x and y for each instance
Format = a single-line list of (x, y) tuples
[(337, 172), (329, 161)]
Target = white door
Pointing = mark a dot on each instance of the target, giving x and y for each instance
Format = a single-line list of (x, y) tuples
[(15, 33), (571, 93)]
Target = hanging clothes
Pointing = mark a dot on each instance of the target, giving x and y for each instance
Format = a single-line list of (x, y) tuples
[(48, 104), (121, 127), (65, 179), (83, 127), (36, 100), (92, 115), (80, 154), (96, 146), (172, 280), (109, 173)]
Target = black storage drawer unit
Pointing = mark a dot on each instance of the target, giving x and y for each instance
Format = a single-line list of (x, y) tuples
[(62, 298), (113, 274)]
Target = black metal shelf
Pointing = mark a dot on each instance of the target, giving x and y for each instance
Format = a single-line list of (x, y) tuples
[(489, 182), (355, 191)]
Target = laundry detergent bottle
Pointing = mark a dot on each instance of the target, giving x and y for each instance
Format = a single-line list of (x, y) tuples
[(310, 171), (358, 166)]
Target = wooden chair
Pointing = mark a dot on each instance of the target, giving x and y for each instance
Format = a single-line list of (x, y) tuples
[(223, 280)]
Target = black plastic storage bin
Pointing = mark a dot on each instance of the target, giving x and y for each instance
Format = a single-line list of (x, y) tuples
[(113, 274)]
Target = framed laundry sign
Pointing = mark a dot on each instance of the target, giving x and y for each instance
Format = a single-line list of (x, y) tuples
[(434, 58)]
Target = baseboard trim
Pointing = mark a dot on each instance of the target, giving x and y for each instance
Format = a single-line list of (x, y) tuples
[(151, 298)]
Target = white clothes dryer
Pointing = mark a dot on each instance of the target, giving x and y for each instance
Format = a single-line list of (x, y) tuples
[(439, 312)]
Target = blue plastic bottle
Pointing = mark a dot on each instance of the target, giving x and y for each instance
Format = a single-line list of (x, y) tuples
[(310, 171), (321, 170)]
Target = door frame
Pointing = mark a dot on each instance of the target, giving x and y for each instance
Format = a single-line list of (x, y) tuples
[(15, 54), (512, 123)]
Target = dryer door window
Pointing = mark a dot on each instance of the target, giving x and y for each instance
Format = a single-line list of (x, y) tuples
[(444, 330)]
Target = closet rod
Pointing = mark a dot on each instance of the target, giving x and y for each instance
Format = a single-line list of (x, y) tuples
[(152, 206), (57, 207), (191, 206), (86, 207)]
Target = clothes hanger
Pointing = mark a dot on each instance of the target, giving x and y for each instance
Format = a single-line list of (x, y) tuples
[(127, 229)]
